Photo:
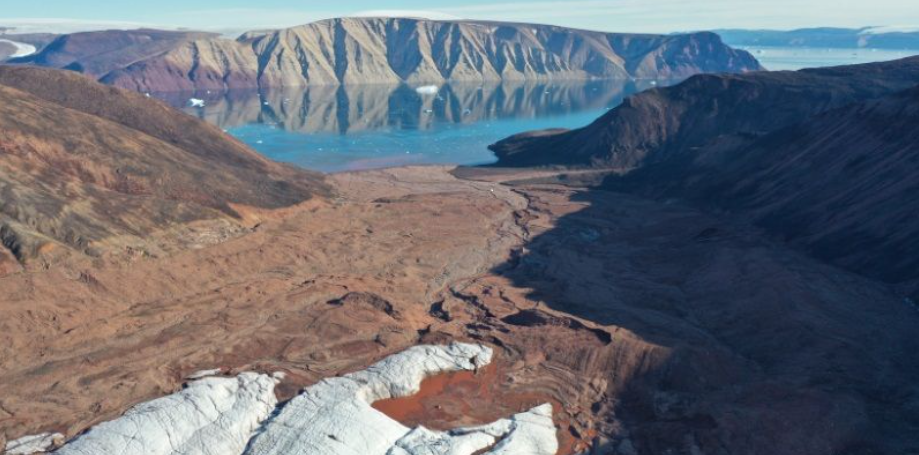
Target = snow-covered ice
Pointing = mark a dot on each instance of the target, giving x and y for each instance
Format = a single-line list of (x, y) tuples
[(235, 416), (212, 416), (531, 432), (22, 49), (527, 433), (335, 416), (204, 373), (37, 443), (889, 29)]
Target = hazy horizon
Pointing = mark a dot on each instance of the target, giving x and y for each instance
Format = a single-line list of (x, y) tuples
[(663, 16)]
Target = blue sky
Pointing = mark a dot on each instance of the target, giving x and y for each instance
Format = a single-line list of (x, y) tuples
[(608, 15)]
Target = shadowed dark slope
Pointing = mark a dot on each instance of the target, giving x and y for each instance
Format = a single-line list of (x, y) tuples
[(757, 349), (843, 185), (824, 159)]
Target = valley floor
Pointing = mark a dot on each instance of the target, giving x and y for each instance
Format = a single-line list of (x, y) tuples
[(650, 327)]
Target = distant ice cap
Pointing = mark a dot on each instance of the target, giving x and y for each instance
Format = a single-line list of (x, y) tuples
[(413, 14), (890, 29)]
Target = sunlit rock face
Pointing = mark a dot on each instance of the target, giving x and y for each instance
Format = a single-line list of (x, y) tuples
[(227, 416), (382, 50)]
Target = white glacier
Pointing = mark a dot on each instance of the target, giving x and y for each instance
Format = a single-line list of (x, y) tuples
[(27, 445), (212, 416), (335, 416), (240, 415), (22, 49)]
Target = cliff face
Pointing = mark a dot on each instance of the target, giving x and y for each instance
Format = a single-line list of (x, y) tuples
[(95, 168), (823, 159), (390, 50)]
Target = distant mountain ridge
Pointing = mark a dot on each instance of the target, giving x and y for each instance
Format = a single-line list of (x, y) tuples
[(658, 124), (394, 50), (99, 53), (826, 37)]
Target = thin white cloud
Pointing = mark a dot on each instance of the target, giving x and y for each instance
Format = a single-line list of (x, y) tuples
[(606, 15), (249, 18), (676, 15)]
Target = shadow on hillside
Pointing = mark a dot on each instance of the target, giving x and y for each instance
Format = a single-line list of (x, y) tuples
[(746, 346)]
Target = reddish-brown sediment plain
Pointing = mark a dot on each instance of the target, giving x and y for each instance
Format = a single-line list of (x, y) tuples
[(652, 328), (140, 245)]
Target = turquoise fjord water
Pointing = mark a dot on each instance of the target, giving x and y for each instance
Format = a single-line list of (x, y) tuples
[(333, 129)]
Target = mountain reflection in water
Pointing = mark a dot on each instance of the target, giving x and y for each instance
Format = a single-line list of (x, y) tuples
[(338, 128)]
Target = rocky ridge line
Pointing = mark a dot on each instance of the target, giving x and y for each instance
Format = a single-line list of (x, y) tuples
[(385, 50)]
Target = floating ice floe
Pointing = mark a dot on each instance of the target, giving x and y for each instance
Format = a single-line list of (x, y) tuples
[(239, 416), (195, 102), (428, 90), (211, 416), (38, 443)]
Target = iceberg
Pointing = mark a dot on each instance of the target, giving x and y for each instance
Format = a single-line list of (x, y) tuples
[(195, 102), (428, 90)]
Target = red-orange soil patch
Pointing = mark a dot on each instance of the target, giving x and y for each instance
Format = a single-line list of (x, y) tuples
[(467, 398)]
